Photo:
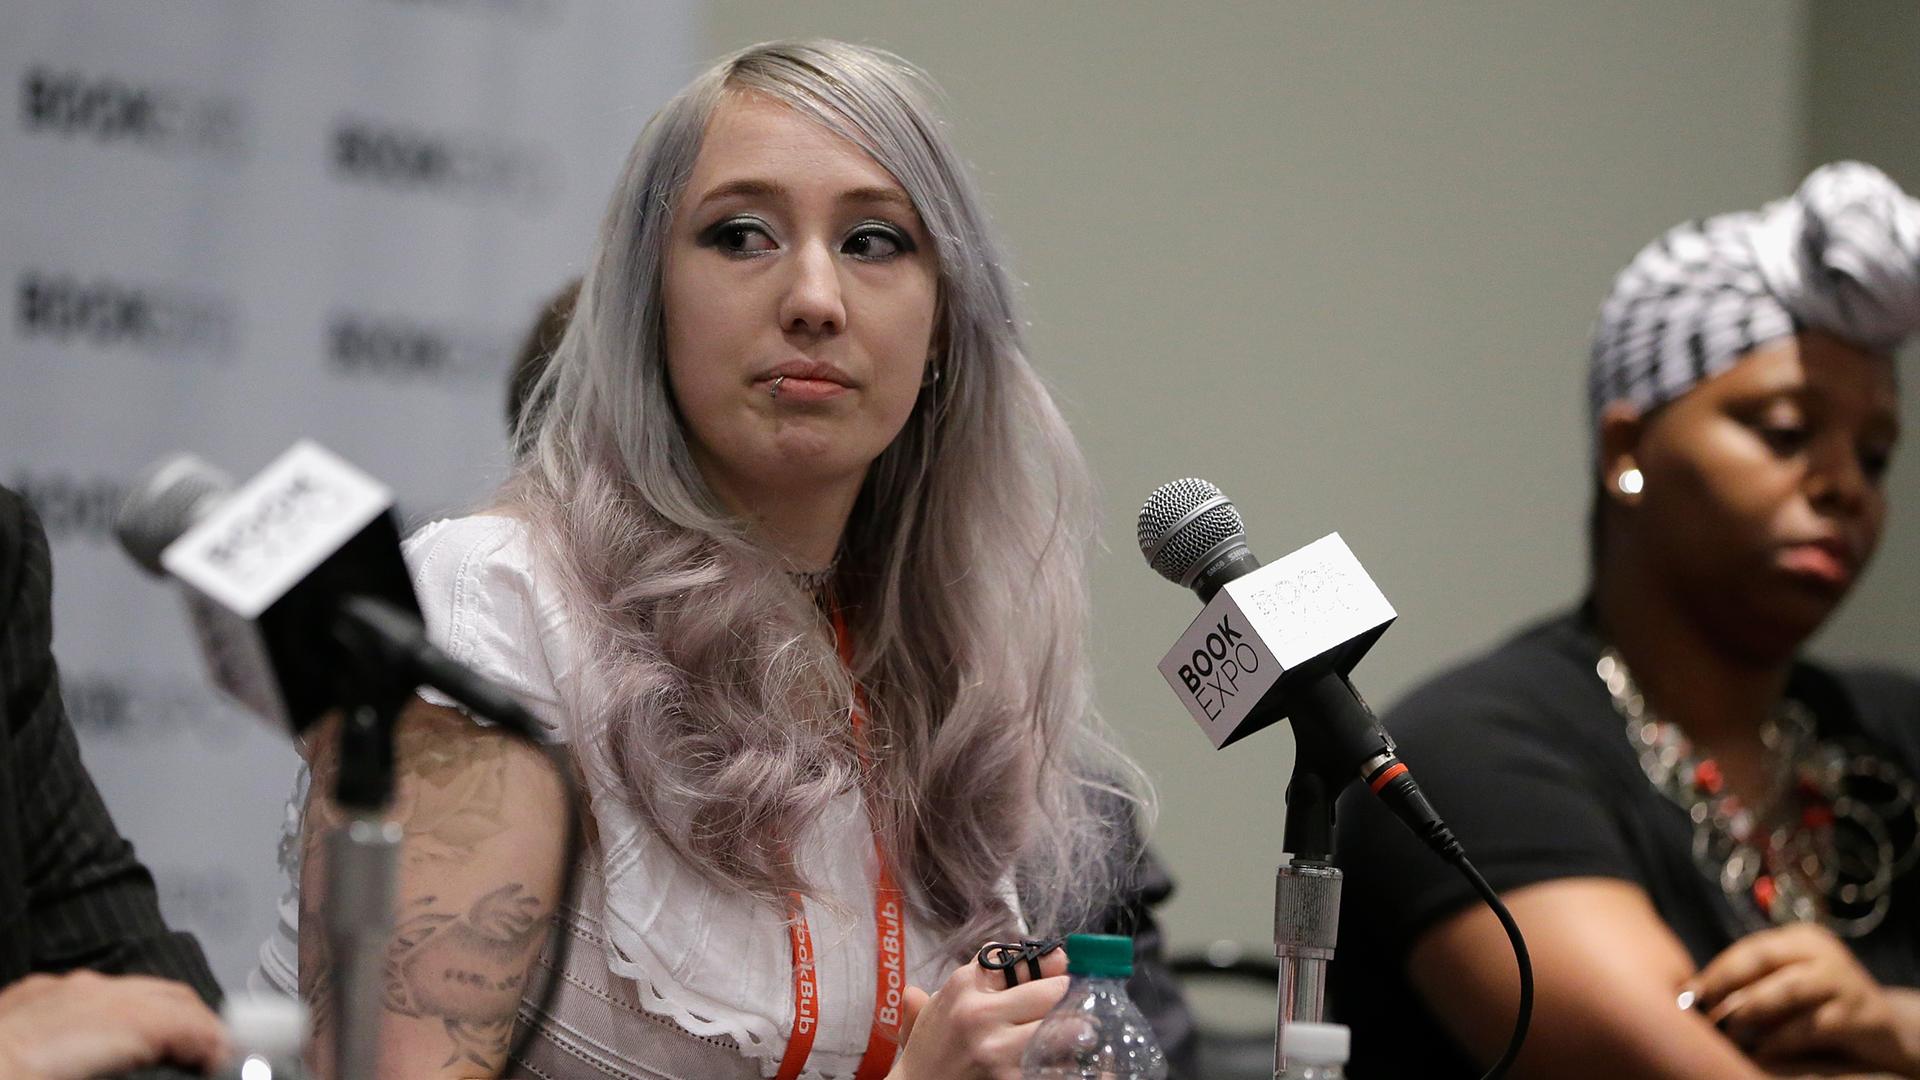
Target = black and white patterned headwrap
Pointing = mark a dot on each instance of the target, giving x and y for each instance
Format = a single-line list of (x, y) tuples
[(1841, 255)]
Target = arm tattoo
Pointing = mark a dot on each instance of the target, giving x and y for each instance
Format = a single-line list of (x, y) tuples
[(450, 797), (316, 967), (454, 791), (467, 971)]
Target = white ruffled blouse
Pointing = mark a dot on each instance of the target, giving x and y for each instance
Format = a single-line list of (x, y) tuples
[(666, 976)]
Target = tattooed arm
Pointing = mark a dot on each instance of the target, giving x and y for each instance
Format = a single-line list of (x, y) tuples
[(484, 823)]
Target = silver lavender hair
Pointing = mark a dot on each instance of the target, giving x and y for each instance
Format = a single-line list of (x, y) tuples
[(711, 695)]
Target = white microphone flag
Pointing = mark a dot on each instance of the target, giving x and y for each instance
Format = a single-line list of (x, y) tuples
[(1312, 611)]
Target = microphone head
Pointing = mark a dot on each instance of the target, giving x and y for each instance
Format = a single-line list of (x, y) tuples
[(163, 502), (1184, 526)]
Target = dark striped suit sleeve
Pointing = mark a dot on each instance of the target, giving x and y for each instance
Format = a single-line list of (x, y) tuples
[(89, 903)]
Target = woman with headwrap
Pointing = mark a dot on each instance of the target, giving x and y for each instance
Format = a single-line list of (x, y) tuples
[(1708, 841)]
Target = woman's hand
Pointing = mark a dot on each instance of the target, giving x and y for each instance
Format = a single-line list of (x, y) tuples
[(975, 1027), (1797, 992)]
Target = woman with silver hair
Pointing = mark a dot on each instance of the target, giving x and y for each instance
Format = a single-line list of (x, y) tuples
[(793, 563), (1708, 841)]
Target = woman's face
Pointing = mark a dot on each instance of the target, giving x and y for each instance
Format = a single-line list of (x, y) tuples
[(1763, 492), (793, 254)]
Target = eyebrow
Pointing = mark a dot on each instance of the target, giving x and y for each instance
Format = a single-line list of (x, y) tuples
[(757, 188)]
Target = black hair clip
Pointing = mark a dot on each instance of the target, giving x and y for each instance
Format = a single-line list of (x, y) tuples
[(1006, 957)]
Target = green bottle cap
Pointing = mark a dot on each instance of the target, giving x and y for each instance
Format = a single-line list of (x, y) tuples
[(1103, 956)]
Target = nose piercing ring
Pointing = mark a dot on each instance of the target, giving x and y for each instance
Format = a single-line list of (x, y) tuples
[(774, 390)]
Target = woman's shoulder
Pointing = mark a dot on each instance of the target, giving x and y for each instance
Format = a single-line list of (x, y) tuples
[(1540, 673), (1884, 701), (478, 566), (1882, 690), (487, 602), (451, 546)]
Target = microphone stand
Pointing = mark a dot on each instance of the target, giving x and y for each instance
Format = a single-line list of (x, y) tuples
[(372, 685), (383, 655), (362, 854), (1306, 890)]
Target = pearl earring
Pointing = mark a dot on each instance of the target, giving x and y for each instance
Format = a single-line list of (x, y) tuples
[(1631, 482)]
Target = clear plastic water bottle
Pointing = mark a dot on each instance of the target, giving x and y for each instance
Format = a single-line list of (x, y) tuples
[(1095, 1033), (1315, 1051), (267, 1033)]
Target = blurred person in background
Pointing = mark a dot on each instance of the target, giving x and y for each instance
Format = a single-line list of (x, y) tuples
[(1707, 839), (792, 559), (531, 361), (91, 980)]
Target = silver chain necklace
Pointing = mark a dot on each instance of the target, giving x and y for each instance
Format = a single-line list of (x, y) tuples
[(1832, 831)]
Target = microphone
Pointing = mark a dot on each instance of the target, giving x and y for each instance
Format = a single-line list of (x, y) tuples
[(302, 602), (1276, 642), (296, 587), (269, 568)]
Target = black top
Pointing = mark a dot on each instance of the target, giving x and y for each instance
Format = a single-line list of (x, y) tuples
[(72, 895), (1142, 885), (1525, 756)]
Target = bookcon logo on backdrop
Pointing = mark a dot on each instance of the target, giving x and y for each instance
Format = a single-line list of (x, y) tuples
[(445, 163), (72, 507), (111, 109), (105, 313), (120, 706), (384, 346)]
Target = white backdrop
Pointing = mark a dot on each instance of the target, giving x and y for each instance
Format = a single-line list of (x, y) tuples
[(229, 223)]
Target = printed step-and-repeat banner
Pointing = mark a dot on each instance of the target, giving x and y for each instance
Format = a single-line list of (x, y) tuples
[(228, 224)]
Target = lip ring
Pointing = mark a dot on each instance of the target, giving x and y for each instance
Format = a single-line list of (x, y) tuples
[(773, 391), (809, 370)]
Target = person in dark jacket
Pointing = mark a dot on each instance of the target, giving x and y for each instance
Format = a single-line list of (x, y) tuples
[(92, 981)]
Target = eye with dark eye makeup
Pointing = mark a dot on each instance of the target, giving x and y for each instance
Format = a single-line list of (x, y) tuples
[(876, 241), (738, 236)]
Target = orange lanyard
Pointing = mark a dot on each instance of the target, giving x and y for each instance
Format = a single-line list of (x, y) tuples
[(890, 931)]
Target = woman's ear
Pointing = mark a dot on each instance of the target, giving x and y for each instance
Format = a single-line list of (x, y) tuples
[(1619, 432)]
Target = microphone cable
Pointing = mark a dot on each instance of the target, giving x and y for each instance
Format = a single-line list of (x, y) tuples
[(525, 728), (1523, 1017), (1395, 786)]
